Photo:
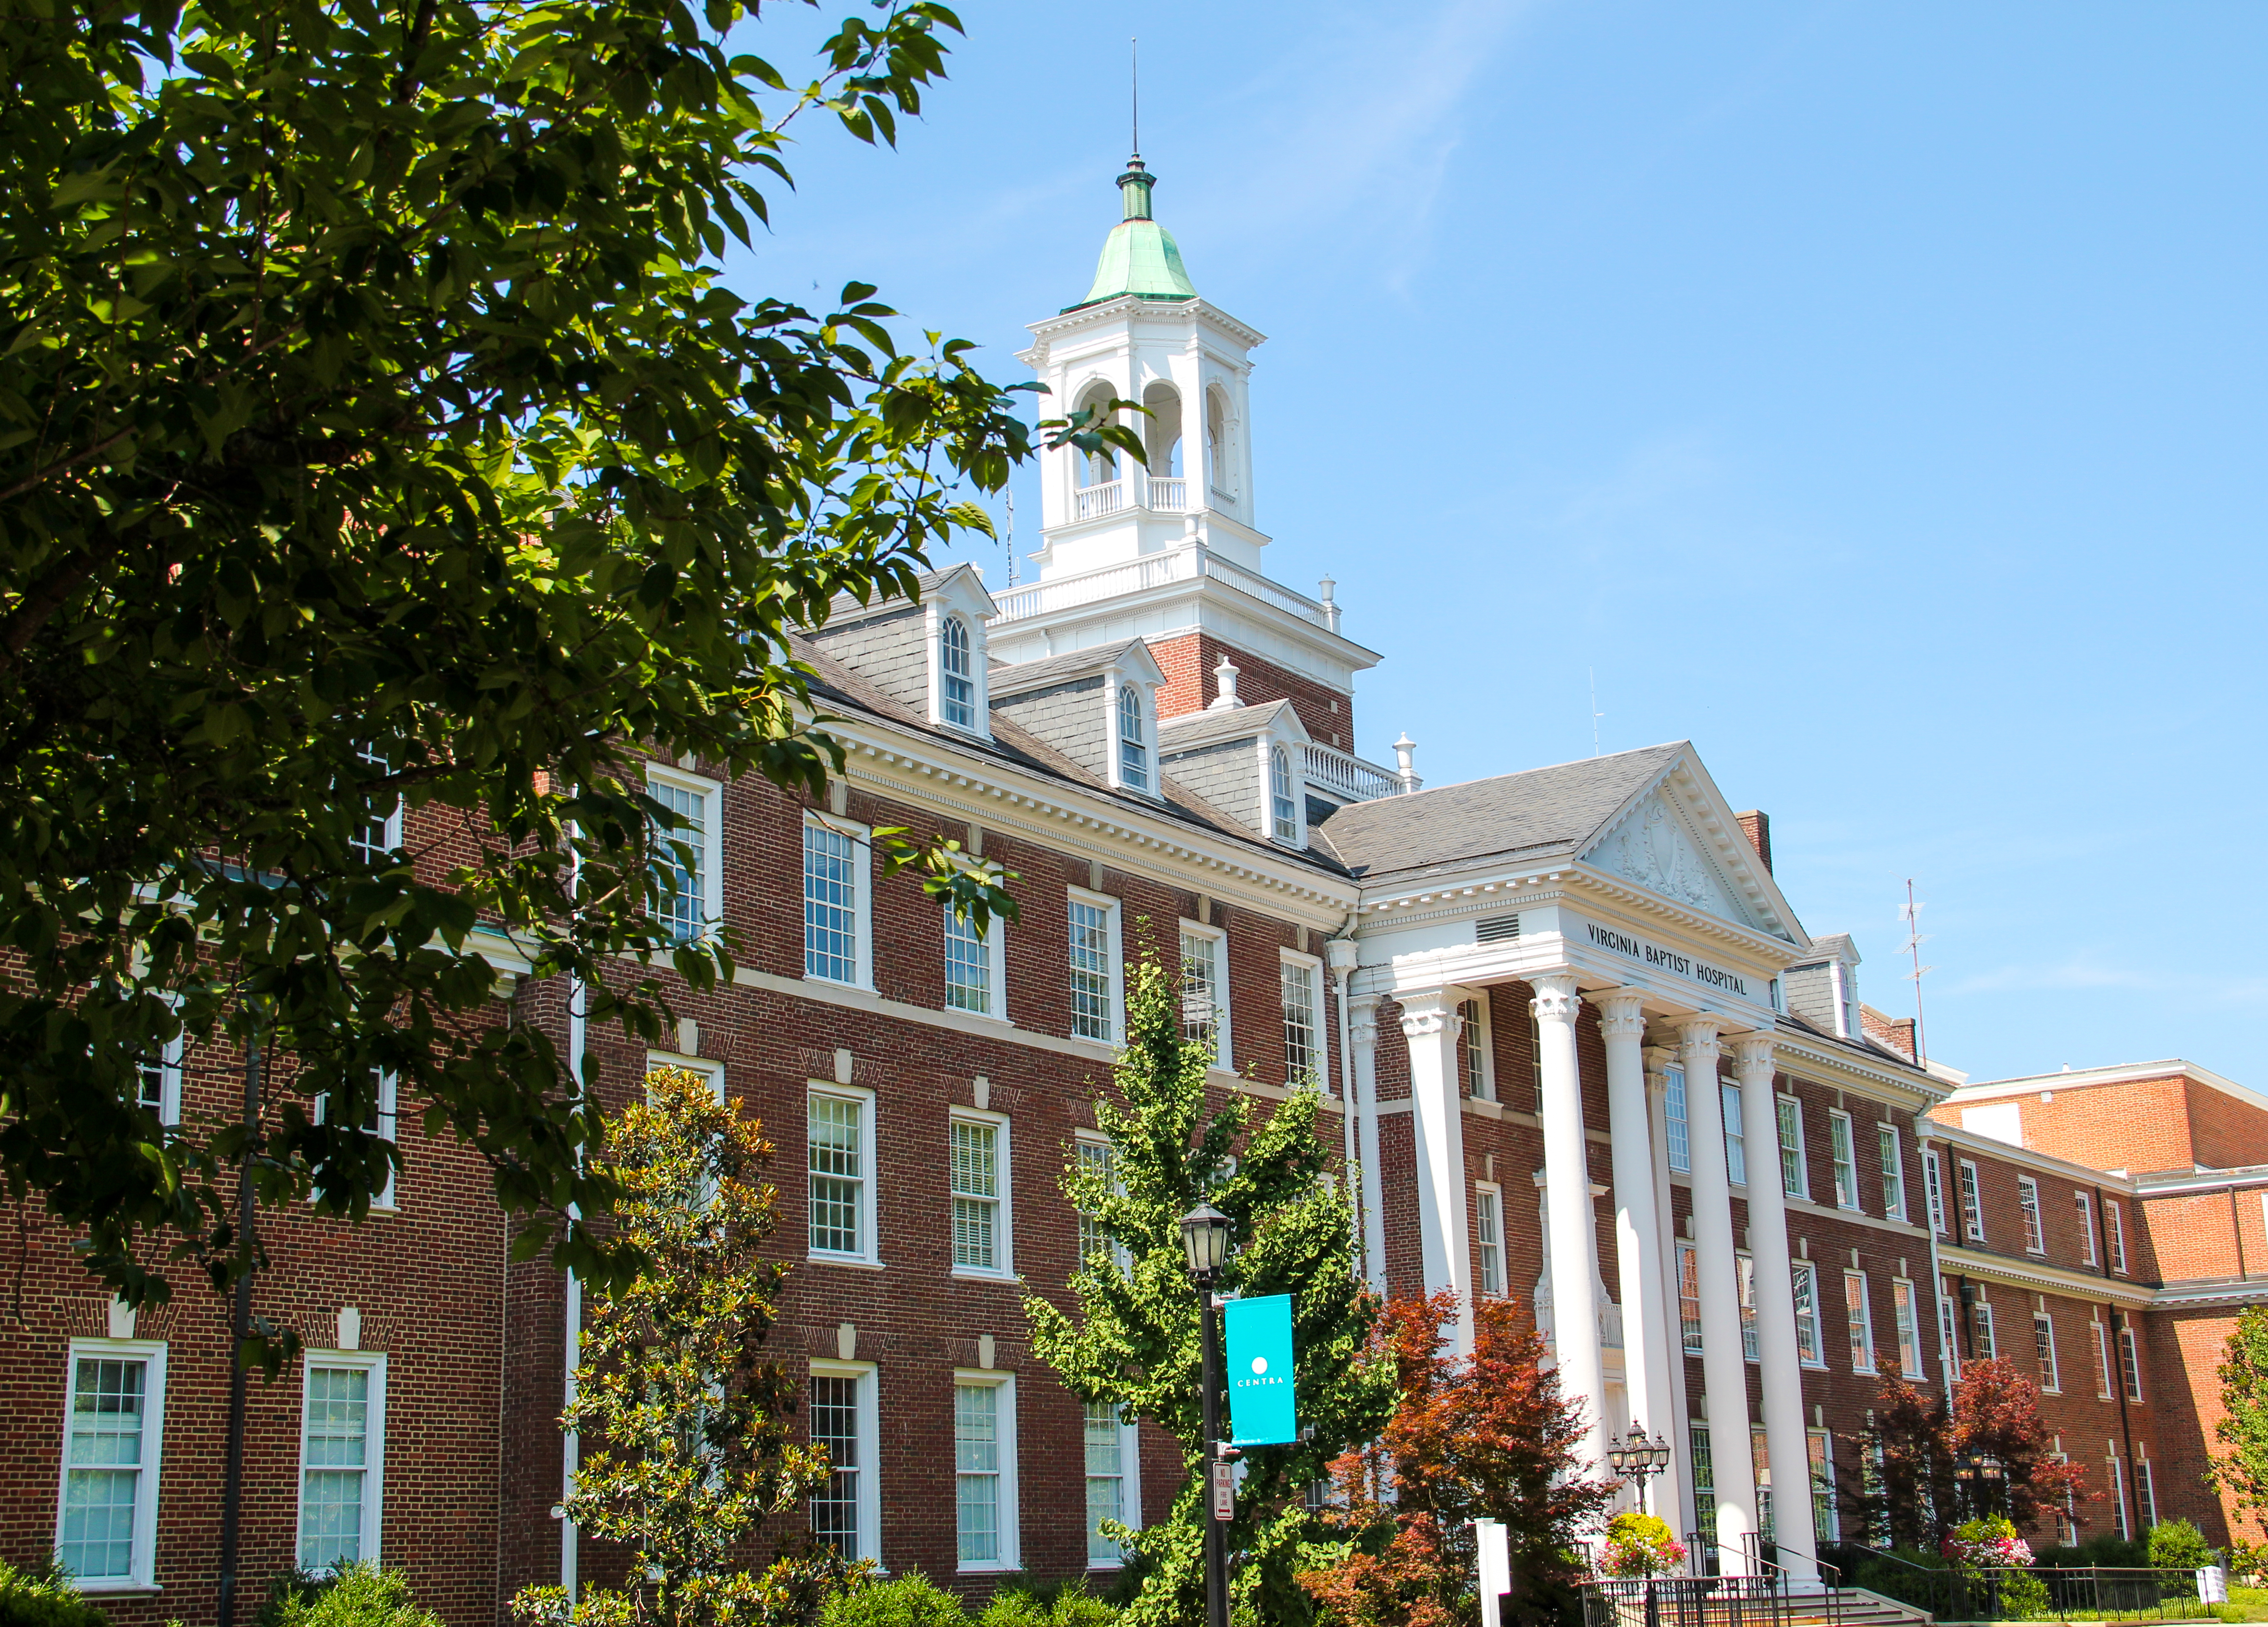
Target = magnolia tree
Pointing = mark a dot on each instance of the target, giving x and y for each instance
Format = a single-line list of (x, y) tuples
[(690, 1425), (1131, 1337), (2241, 1471)]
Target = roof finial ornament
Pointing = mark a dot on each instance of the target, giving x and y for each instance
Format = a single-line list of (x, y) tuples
[(1134, 55), (1405, 752), (1225, 675)]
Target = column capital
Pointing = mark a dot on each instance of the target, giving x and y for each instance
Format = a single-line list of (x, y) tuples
[(1752, 1052), (1429, 1012), (1658, 1058), (1556, 997), (1622, 1014), (1700, 1032), (1362, 1019)]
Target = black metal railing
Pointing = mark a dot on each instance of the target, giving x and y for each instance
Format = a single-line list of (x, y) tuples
[(2021, 1593), (1687, 1602)]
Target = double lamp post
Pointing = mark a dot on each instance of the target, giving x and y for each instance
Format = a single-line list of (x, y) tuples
[(1205, 1238)]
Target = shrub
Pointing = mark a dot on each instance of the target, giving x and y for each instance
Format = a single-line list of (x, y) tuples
[(42, 1598), (291, 1592), (908, 1601), (2103, 1549), (356, 1596), (2177, 1545), (1640, 1545), (1075, 1606), (1014, 1607)]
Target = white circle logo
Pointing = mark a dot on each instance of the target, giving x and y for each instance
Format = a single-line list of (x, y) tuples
[(1259, 1364)]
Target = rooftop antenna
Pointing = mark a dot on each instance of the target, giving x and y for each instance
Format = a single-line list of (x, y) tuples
[(1595, 713), (1134, 55), (1911, 915), (1012, 538)]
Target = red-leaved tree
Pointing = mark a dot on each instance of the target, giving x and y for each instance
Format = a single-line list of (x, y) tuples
[(1487, 1436), (1914, 1443)]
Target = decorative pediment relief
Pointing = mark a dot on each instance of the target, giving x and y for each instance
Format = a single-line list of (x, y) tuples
[(1653, 847)]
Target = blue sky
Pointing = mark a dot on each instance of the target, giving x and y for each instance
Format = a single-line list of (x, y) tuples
[(1872, 394)]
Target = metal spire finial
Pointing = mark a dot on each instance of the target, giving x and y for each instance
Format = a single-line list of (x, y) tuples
[(1134, 55)]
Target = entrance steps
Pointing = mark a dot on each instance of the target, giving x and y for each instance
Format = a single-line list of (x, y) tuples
[(1852, 1606)]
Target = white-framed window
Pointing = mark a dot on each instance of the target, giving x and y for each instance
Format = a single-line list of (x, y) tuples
[(1847, 1164), (1859, 1314), (1933, 1190), (1205, 989), (1676, 1123), (1488, 1237), (342, 1458), (2114, 1223), (956, 674), (1972, 1203), (1818, 1448), (1744, 1272), (1949, 1338), (379, 1119), (2118, 1499), (2101, 1358), (976, 969), (1100, 1158), (1894, 1171), (2130, 1359), (1736, 1144), (1133, 740), (2145, 1487), (1981, 1337), (984, 1469), (2068, 1517), (689, 852), (846, 1512), (2027, 1200), (157, 1078), (983, 1228), (1909, 1326), (377, 835), (1794, 1180), (837, 910), (1306, 1055), (1688, 1298), (2086, 1206), (1803, 1283), (113, 1428), (1113, 1483), (1282, 803), (1705, 1479), (839, 1141), (2043, 1342), (1097, 995), (1478, 1046)]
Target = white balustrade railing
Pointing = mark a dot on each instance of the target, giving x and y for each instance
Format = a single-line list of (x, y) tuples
[(1267, 593), (1336, 772), (1169, 492), (1093, 502), (1152, 571)]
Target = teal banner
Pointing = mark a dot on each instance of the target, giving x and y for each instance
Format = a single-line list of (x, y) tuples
[(1260, 1408)]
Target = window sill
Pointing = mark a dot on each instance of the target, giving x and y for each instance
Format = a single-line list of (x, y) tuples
[(988, 1567), (837, 982), (815, 1258), (963, 1011), (972, 1274), (118, 1589)]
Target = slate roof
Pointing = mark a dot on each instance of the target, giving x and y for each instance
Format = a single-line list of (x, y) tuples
[(1542, 812), (1021, 677), (1830, 947), (1192, 730), (846, 608)]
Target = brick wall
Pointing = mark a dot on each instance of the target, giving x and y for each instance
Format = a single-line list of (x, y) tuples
[(1187, 662)]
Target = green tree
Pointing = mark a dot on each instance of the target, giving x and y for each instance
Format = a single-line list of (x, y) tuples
[(1133, 1339), (692, 1442), (375, 429), (2241, 1472)]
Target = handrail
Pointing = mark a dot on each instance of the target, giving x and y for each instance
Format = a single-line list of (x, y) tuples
[(2091, 1593)]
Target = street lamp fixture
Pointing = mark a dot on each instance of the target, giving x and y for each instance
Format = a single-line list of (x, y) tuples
[(1636, 1458), (1204, 1239)]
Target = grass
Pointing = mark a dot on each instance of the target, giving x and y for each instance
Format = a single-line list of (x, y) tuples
[(2245, 1604)]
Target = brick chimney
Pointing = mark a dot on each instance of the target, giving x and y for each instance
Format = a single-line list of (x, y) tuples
[(1897, 1033), (1757, 827)]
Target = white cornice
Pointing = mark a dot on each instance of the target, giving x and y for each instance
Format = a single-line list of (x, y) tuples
[(1048, 329), (2211, 1290), (2064, 1168), (2197, 1183), (2038, 1276), (1810, 1059), (2123, 1073)]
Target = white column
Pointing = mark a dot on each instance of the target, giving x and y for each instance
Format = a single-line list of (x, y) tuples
[(1574, 1223), (1784, 1446), (1362, 1017), (1637, 1231), (1670, 1487), (1724, 1369), (1429, 1023)]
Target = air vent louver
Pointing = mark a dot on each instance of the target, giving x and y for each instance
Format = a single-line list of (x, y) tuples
[(1497, 929)]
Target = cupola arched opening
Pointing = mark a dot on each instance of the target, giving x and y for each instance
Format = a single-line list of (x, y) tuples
[(1161, 430), (1096, 468), (1220, 458)]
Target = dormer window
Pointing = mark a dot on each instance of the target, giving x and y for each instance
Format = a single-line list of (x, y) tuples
[(1285, 813), (1133, 747), (956, 674)]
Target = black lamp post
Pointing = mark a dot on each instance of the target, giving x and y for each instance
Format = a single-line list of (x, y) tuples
[(1205, 1236), (1635, 1457)]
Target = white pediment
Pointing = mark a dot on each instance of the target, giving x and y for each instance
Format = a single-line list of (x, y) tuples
[(1654, 846)]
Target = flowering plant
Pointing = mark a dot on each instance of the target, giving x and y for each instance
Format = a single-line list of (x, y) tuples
[(1640, 1545), (1986, 1543)]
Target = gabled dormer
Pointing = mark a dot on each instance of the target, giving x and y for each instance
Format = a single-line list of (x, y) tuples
[(1248, 761), (1098, 706), (1822, 987), (931, 655)]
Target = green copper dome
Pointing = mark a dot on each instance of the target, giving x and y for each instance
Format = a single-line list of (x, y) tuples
[(1139, 257)]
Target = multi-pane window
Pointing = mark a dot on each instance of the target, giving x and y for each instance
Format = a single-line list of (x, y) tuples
[(983, 1503), (1704, 1482), (1972, 1203), (834, 1407), (1303, 1033), (2028, 1199), (1473, 1049), (1793, 1179), (1096, 1246), (2118, 1499), (1934, 1190), (1982, 1338), (158, 1081), (340, 1451), (1846, 1168), (1949, 1341), (1133, 747), (956, 674), (1736, 1155), (830, 904), (1744, 1272), (1760, 1467), (1909, 1326), (682, 858), (1676, 1121), (839, 1174), (2086, 1227), (1803, 1282), (2102, 1358), (2043, 1341), (978, 1243), (2129, 1362), (1205, 993), (372, 1112), (1818, 1450), (1091, 1003), (1488, 1228), (1861, 1321), (1535, 1087), (2146, 1486), (1688, 1298), (2114, 1223), (108, 1515), (969, 981), (376, 835), (1106, 1483), (1283, 813), (1894, 1172)]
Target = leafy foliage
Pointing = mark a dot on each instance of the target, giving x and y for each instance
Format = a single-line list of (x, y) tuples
[(356, 1596), (1485, 1436), (694, 1422), (2176, 1544), (1640, 1544), (2241, 1472), (1134, 1341), (907, 1600), (375, 431), (43, 1597), (1914, 1442)]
